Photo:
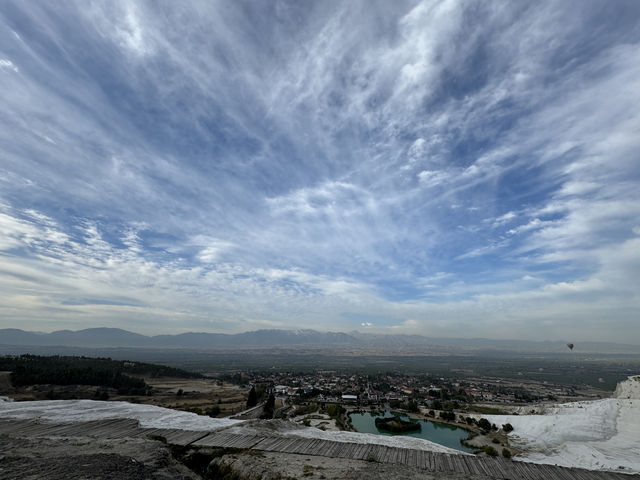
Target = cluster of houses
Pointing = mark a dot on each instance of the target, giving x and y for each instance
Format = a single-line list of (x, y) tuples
[(333, 387)]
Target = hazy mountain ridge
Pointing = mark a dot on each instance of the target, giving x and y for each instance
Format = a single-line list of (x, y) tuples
[(115, 337)]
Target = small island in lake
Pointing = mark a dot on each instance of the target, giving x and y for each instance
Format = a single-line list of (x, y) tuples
[(397, 425)]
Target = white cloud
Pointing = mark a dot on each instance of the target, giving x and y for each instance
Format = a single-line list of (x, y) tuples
[(506, 218), (431, 179), (260, 165), (8, 64)]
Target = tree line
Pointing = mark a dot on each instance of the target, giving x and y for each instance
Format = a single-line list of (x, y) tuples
[(29, 370)]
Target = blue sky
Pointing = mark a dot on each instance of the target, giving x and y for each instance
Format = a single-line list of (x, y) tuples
[(454, 168)]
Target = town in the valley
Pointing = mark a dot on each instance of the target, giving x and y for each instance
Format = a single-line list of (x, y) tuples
[(414, 394)]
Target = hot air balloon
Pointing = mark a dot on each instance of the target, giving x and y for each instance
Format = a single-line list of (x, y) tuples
[(570, 345)]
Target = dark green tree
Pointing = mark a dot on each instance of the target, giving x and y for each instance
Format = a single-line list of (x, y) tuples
[(252, 401), (412, 406), (484, 424), (489, 450), (269, 406)]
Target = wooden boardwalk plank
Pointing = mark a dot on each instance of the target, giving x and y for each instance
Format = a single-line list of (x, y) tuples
[(395, 454), (267, 443), (233, 440), (339, 450), (431, 465), (325, 448), (361, 451), (498, 468), (30, 427), (334, 449), (402, 456), (388, 455), (42, 429), (574, 474), (579, 475), (586, 475), (184, 438), (78, 430), (411, 458), (110, 427), (567, 474), (450, 462), (369, 452), (300, 445), (384, 453), (250, 441), (523, 471), (473, 465), (52, 430), (321, 447), (284, 444), (376, 452), (461, 464), (211, 440), (424, 460), (345, 450), (354, 451), (313, 447), (484, 467)]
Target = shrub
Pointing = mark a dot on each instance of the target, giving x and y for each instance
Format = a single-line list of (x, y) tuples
[(412, 406), (506, 453), (484, 424), (507, 427), (252, 401), (489, 450), (268, 407), (334, 410), (213, 411), (448, 416), (101, 395)]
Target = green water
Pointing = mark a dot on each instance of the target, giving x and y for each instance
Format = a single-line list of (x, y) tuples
[(441, 433)]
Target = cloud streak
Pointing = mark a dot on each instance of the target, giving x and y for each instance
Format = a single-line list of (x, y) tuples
[(181, 166)]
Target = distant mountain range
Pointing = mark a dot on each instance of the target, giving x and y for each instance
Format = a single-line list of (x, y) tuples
[(115, 337)]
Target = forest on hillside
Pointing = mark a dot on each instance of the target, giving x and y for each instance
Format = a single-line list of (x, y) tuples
[(103, 372)]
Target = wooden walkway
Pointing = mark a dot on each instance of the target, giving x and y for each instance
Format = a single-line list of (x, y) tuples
[(497, 468)]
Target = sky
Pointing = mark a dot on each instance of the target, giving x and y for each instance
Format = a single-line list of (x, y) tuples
[(443, 168)]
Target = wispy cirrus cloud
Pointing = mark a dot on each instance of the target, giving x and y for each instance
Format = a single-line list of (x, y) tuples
[(186, 163)]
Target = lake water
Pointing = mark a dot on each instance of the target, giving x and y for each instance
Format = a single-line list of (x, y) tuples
[(441, 433)]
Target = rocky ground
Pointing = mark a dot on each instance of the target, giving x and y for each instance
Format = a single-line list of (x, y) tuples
[(88, 459)]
